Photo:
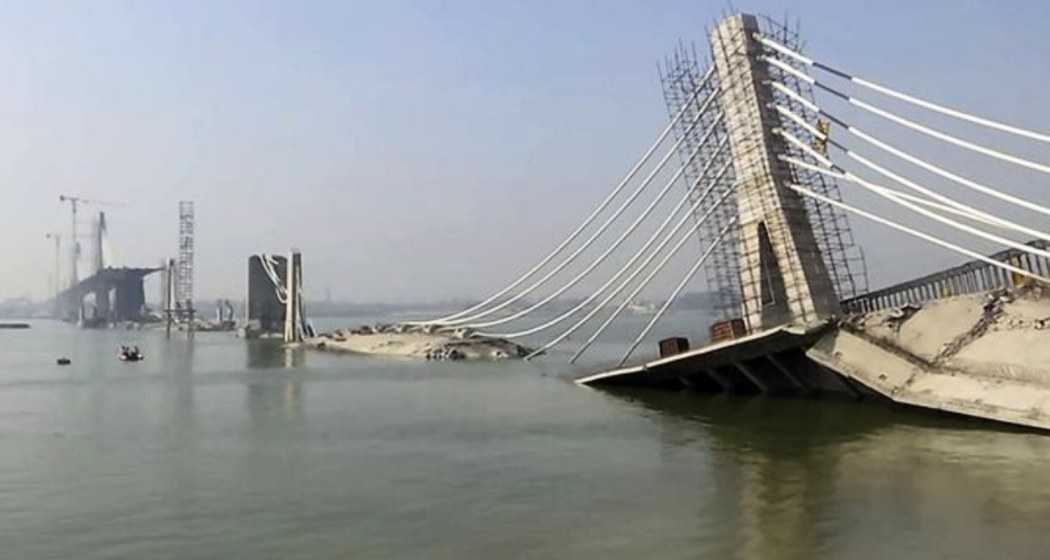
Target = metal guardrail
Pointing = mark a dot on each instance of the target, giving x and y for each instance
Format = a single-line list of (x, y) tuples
[(968, 278)]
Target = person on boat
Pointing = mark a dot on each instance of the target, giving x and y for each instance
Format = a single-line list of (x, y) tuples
[(130, 354)]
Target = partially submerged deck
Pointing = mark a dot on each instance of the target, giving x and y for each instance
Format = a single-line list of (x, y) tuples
[(770, 361), (980, 355)]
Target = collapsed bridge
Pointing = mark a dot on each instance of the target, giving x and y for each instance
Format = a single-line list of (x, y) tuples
[(761, 150), (110, 294)]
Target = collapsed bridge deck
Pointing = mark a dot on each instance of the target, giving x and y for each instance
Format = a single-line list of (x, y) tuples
[(982, 355)]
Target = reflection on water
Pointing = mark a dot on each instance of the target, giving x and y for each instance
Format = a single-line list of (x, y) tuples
[(805, 478), (270, 354), (274, 396), (217, 447)]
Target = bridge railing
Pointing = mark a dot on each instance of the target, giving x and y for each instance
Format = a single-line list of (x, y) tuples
[(968, 278)]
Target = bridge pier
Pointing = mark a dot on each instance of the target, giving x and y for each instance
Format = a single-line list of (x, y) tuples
[(783, 274), (130, 298), (271, 278), (119, 294), (102, 303)]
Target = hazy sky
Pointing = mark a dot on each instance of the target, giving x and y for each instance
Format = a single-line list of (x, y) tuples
[(417, 150)]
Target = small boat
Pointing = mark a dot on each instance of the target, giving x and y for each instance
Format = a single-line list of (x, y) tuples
[(130, 354), (63, 361)]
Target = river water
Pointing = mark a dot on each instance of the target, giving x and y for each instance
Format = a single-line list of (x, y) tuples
[(219, 448)]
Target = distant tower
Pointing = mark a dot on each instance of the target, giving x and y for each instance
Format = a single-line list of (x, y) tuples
[(184, 271), (99, 242)]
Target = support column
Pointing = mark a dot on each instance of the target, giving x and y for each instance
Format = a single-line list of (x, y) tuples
[(169, 296), (291, 313), (781, 264), (102, 303)]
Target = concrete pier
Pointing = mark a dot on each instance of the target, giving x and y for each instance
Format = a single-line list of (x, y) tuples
[(127, 299), (293, 290)]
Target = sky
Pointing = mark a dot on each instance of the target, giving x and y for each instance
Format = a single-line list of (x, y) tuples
[(423, 150)]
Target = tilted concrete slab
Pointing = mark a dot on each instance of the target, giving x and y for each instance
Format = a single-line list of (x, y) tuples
[(997, 367), (926, 331), (1017, 355), (721, 354), (909, 382), (982, 355)]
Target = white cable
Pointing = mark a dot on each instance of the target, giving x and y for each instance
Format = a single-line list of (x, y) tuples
[(608, 222), (800, 121), (639, 269), (880, 190), (678, 290), (268, 262), (910, 123), (916, 233), (645, 281), (949, 138), (910, 184), (841, 174), (990, 191), (951, 176), (782, 49), (903, 96), (788, 69), (639, 253), (896, 193), (616, 244), (793, 95), (594, 214)]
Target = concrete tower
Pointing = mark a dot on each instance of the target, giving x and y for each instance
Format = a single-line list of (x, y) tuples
[(782, 272)]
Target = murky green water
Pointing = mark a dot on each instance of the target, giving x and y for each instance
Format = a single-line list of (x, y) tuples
[(223, 449)]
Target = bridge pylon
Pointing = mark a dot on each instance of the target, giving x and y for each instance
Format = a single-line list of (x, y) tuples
[(782, 272)]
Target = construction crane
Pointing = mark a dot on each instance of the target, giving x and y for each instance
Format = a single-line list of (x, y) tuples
[(57, 237), (73, 202)]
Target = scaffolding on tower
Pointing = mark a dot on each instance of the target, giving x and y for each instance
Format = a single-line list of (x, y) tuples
[(681, 75), (184, 269), (842, 256), (684, 87)]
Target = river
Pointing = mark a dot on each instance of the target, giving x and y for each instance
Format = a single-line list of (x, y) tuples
[(220, 448)]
